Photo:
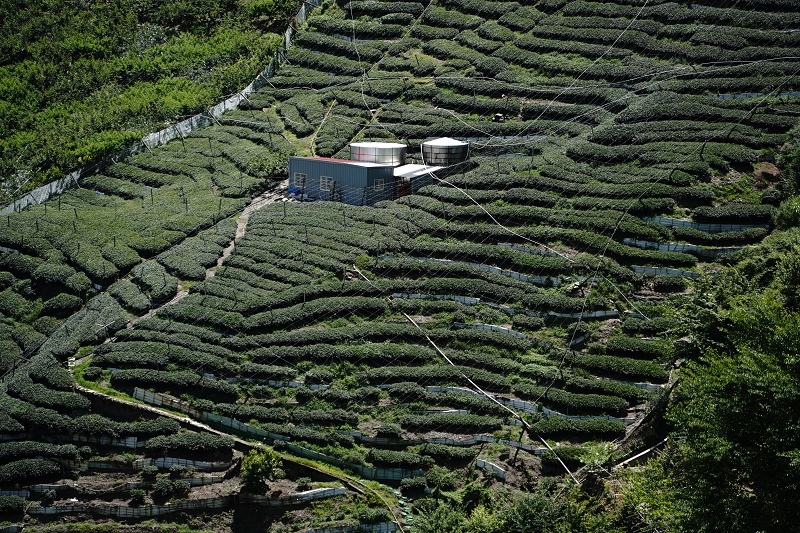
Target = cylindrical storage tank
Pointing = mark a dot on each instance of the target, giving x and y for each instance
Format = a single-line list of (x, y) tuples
[(375, 152), (444, 152)]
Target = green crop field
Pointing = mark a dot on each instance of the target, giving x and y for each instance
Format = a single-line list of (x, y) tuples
[(616, 264)]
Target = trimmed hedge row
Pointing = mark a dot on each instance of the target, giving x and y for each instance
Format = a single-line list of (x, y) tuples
[(130, 296), (28, 470), (573, 402), (485, 8), (454, 423), (179, 382), (22, 387), (555, 427), (625, 346), (736, 213), (319, 42), (723, 238), (619, 366), (445, 453), (377, 8), (156, 353), (397, 459), (362, 30), (440, 17), (527, 111), (190, 444), (364, 352), (30, 449)]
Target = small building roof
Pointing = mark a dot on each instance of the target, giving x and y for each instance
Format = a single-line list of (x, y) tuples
[(375, 144), (343, 161), (413, 171), (446, 141)]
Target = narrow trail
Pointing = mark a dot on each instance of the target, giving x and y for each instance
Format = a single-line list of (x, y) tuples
[(265, 198)]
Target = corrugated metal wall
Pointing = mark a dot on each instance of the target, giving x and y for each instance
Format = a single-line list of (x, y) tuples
[(351, 184)]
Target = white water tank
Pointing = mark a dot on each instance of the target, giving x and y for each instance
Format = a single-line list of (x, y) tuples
[(377, 152), (444, 152)]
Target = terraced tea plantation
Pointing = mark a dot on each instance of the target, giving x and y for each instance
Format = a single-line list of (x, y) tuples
[(512, 319)]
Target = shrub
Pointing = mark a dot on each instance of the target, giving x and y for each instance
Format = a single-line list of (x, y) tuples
[(30, 449), (130, 296), (181, 488), (149, 471), (11, 504), (372, 515), (137, 496), (669, 284), (154, 281), (413, 485), (555, 427), (62, 305), (788, 215), (443, 453), (632, 347), (189, 443), (389, 431), (398, 459), (28, 470), (441, 478), (163, 488), (746, 213), (92, 373), (259, 466)]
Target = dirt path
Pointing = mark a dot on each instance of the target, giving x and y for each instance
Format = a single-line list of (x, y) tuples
[(266, 198), (258, 202)]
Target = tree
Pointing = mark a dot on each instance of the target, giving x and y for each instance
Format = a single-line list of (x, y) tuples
[(734, 464), (258, 467)]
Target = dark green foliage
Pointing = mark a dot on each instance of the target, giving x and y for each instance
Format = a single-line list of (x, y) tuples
[(30, 449), (669, 284), (130, 296), (324, 417), (570, 402), (443, 453), (489, 9), (118, 72), (453, 422), (438, 17), (101, 317), (180, 382), (376, 9), (394, 459), (624, 367), (555, 427), (21, 386), (154, 281), (163, 488), (190, 444), (632, 347), (739, 213), (413, 486), (363, 30), (62, 305), (30, 470), (137, 496), (569, 455), (11, 504)]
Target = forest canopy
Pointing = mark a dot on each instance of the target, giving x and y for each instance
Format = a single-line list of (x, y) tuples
[(81, 79)]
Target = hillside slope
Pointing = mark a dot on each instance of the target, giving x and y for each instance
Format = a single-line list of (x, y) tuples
[(621, 155), (83, 79)]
